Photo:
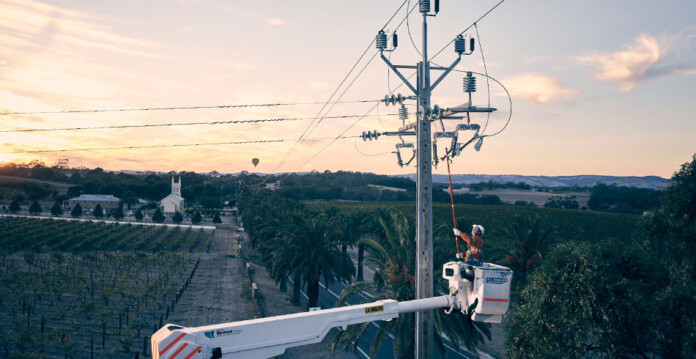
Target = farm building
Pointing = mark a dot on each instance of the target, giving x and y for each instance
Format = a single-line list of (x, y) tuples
[(88, 201), (173, 202)]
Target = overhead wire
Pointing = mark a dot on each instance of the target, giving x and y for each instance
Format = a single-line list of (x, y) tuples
[(299, 139), (174, 108), (175, 124), (485, 70), (173, 145)]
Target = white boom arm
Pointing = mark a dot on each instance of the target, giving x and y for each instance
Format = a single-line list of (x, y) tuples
[(269, 337), (483, 292)]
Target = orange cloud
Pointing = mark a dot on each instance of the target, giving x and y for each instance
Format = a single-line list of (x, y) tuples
[(539, 89)]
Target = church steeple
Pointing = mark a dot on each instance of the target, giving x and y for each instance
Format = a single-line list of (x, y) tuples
[(176, 186)]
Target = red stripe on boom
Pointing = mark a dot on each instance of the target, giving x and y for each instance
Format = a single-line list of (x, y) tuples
[(179, 351), (193, 352), (494, 300), (172, 344)]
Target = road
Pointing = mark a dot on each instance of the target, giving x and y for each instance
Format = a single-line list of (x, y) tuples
[(327, 299)]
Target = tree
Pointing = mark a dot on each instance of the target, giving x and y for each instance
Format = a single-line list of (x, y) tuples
[(158, 216), (98, 211), (395, 279), (177, 218), (586, 300), (529, 241), (76, 211), (57, 209), (139, 215), (565, 202), (14, 206), (311, 248), (197, 218), (35, 208), (118, 213), (216, 218)]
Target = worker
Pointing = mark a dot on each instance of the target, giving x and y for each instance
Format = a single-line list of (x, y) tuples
[(474, 255)]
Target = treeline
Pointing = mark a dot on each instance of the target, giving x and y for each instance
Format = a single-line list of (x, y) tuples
[(490, 185), (612, 198)]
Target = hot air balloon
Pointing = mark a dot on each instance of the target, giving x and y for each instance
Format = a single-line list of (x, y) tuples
[(255, 161)]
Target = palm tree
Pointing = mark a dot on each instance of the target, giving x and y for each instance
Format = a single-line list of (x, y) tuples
[(310, 248), (530, 241), (393, 251)]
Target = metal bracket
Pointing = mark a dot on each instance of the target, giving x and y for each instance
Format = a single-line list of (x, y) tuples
[(398, 73)]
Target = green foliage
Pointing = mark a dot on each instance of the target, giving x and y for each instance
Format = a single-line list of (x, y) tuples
[(118, 213), (177, 218), (35, 208), (216, 218), (565, 202), (76, 211), (139, 215), (98, 211), (528, 240), (525, 203), (14, 206), (197, 218), (57, 209), (158, 216), (587, 299), (623, 199)]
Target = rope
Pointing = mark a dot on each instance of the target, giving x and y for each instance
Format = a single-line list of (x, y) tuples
[(454, 218)]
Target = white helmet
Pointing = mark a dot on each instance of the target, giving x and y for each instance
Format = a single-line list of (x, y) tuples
[(475, 226)]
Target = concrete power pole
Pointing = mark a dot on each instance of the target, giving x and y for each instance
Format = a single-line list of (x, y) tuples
[(424, 153)]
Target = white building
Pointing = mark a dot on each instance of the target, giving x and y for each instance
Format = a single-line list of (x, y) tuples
[(174, 202)]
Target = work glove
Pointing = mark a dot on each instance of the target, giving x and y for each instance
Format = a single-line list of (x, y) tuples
[(456, 232)]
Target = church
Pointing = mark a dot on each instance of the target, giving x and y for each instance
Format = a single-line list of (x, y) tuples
[(173, 202)]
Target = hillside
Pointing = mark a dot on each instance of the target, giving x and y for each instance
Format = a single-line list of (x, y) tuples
[(652, 182)]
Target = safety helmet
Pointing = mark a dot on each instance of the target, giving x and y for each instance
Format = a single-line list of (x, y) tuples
[(480, 228)]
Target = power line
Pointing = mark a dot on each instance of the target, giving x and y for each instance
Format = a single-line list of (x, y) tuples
[(175, 145), (311, 124), (465, 30), (174, 124), (176, 108)]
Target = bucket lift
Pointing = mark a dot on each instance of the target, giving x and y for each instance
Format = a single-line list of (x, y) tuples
[(481, 292)]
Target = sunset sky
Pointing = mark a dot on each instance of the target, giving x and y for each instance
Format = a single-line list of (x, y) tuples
[(598, 87)]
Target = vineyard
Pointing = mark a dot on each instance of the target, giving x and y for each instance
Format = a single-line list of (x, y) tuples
[(565, 225), (72, 289), (21, 234)]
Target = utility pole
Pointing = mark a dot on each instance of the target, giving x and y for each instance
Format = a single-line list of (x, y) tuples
[(425, 153)]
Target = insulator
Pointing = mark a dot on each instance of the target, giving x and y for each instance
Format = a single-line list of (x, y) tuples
[(447, 134), (404, 145), (403, 112), (436, 112), (472, 42), (459, 44), (437, 6), (478, 144), (467, 127), (424, 6), (395, 40), (381, 40), (469, 83)]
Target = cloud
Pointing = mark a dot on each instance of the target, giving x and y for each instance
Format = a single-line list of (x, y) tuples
[(273, 21), (539, 89), (645, 58)]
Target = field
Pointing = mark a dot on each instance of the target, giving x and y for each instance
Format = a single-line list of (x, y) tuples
[(73, 289), (564, 224), (538, 198)]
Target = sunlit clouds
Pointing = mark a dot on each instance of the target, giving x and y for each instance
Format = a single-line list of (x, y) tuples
[(645, 58), (539, 89)]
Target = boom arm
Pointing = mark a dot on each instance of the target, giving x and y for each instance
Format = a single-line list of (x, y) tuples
[(268, 337)]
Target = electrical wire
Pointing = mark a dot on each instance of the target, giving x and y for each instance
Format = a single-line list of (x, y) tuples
[(175, 124), (175, 108), (485, 70), (508, 95), (175, 145), (355, 143), (408, 27), (465, 30)]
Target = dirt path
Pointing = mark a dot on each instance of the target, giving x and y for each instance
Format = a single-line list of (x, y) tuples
[(215, 294)]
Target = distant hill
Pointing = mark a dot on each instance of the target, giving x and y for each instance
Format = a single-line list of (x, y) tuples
[(653, 182)]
